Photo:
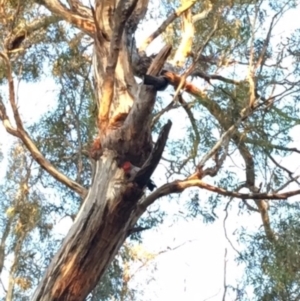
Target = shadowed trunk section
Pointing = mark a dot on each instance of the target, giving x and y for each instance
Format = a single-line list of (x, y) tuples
[(98, 232)]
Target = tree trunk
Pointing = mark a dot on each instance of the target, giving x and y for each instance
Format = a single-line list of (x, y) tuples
[(97, 234), (111, 206)]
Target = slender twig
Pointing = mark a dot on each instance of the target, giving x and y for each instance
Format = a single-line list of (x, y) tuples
[(286, 184), (209, 77), (290, 173), (224, 279), (224, 226), (261, 60), (168, 108)]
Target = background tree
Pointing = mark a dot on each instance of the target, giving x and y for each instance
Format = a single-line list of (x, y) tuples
[(242, 108)]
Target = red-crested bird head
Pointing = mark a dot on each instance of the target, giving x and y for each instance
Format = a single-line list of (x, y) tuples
[(127, 167)]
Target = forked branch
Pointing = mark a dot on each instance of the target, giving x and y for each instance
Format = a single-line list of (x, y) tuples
[(140, 114)]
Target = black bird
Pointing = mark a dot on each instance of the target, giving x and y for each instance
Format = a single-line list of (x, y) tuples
[(160, 83), (131, 171), (151, 185)]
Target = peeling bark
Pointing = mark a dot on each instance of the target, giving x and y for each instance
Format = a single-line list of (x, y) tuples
[(98, 232), (185, 48), (83, 23), (110, 209), (106, 218)]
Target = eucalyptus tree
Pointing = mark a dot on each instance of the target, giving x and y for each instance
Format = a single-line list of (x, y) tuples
[(242, 108)]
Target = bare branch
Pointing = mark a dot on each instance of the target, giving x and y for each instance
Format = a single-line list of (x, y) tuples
[(11, 88), (15, 39), (41, 23), (193, 65), (185, 47), (193, 121), (213, 296), (230, 133), (268, 144), (166, 23), (85, 24), (249, 207), (157, 116), (263, 208), (203, 14), (159, 61), (139, 116), (79, 8), (179, 186), (21, 133), (224, 280), (287, 183), (224, 140), (251, 72), (196, 141), (261, 60), (4, 237), (5, 120), (213, 171), (189, 87), (290, 173), (224, 224), (209, 77)]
